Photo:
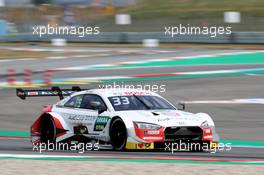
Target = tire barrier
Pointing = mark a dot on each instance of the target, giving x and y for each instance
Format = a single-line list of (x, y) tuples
[(27, 75)]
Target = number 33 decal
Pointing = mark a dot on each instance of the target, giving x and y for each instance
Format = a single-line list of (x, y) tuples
[(120, 101)]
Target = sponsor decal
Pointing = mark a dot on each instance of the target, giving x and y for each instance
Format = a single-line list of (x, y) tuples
[(32, 93), (98, 137), (100, 123), (55, 93), (133, 145), (163, 119), (152, 132), (82, 118), (181, 123), (136, 93), (207, 134), (20, 93), (49, 93)]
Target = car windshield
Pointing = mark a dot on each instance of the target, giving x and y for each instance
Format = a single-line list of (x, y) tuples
[(139, 102)]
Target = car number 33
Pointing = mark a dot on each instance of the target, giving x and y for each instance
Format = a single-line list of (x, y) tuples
[(120, 101)]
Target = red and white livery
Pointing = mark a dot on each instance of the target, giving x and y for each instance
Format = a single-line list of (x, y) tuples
[(118, 119)]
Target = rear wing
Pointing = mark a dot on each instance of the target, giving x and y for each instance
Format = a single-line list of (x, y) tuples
[(54, 91)]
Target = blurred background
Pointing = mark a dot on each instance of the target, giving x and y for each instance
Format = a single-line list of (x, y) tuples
[(17, 18)]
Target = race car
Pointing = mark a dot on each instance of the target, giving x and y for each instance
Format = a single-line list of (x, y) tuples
[(120, 119)]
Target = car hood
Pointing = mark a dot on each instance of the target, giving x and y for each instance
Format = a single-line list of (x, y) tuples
[(165, 118)]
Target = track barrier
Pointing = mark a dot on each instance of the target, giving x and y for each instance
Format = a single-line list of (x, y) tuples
[(28, 76), (11, 76), (47, 76)]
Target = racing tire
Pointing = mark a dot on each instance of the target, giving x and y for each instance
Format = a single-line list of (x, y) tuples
[(118, 134), (48, 130)]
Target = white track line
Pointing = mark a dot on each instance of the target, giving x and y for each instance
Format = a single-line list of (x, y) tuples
[(40, 156), (233, 101), (133, 62)]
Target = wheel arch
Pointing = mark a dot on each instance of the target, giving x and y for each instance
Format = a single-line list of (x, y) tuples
[(115, 117), (35, 129), (111, 121)]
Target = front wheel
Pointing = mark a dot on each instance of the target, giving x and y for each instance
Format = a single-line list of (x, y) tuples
[(118, 134)]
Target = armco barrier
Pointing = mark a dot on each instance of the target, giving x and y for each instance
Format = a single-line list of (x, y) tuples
[(137, 37)]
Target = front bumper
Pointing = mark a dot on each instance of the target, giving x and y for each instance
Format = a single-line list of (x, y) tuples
[(206, 137)]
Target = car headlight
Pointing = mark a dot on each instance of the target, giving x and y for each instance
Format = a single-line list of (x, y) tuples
[(149, 126), (205, 124)]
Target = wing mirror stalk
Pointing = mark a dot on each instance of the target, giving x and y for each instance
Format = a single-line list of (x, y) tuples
[(96, 105), (181, 106)]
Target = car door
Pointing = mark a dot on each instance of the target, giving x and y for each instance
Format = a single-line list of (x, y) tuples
[(101, 120), (75, 113)]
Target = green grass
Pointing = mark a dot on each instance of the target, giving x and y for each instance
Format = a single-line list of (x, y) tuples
[(153, 15), (194, 8)]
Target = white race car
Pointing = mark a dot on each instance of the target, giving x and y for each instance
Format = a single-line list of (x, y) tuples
[(118, 119)]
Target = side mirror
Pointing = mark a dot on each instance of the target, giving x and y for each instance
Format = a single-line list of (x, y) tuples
[(180, 106), (96, 105)]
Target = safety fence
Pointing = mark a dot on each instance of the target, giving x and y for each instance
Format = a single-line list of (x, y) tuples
[(138, 37)]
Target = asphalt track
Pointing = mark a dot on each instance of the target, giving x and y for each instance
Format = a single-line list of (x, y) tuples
[(233, 121)]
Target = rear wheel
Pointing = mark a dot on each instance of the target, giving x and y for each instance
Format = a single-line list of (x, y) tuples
[(48, 130), (118, 134)]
